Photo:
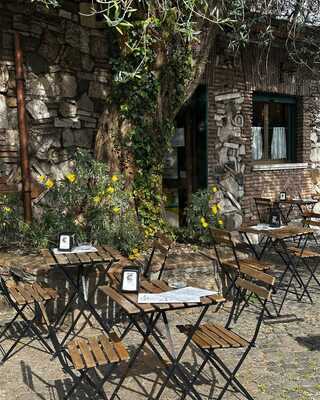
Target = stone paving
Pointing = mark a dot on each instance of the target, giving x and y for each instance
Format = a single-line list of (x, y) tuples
[(284, 365)]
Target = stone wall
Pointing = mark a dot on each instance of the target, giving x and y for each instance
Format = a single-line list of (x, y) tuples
[(67, 83), (231, 81)]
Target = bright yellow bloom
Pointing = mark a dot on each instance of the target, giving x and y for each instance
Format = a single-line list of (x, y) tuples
[(71, 177), (116, 210), (214, 209), (114, 178), (42, 178), (110, 189), (134, 254), (97, 200), (219, 207), (214, 189), (49, 183), (7, 210), (220, 222), (203, 222)]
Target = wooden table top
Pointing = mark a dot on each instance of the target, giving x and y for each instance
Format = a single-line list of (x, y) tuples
[(103, 254), (283, 232), (297, 201), (129, 301)]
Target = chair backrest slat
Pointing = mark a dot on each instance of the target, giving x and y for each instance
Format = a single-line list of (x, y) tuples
[(258, 275), (253, 288), (263, 206)]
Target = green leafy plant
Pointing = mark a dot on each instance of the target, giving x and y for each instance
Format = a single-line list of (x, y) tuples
[(89, 202), (204, 212)]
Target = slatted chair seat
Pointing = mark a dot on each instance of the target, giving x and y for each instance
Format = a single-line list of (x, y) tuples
[(29, 293), (214, 336), (211, 339), (22, 296), (247, 262), (310, 222), (81, 356), (96, 351), (306, 253)]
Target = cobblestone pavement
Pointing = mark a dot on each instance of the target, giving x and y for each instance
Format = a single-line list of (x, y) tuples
[(284, 365)]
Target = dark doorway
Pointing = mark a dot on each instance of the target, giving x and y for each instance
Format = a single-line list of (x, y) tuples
[(187, 167)]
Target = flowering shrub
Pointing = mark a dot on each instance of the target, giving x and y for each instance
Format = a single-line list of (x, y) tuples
[(204, 211), (89, 202)]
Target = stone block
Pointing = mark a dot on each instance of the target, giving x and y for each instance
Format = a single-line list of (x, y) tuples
[(50, 46), (11, 102), (12, 118), (73, 34), (38, 109), (4, 123), (87, 62), (315, 155), (84, 103), (4, 78), (71, 58), (98, 90), (78, 138), (67, 123), (12, 137), (68, 85), (68, 110), (65, 14), (314, 137), (227, 97)]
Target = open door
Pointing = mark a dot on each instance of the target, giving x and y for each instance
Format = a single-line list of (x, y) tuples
[(186, 167)]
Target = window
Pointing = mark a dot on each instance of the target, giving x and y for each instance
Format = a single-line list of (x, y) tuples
[(274, 128)]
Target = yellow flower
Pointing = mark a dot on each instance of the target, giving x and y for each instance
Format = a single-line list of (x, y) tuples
[(220, 222), (97, 200), (110, 189), (49, 183), (116, 210), (219, 207), (214, 209), (114, 178), (7, 210), (214, 189), (134, 254), (42, 178), (71, 177), (203, 222)]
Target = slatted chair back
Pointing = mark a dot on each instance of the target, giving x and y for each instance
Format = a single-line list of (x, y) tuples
[(163, 245), (222, 240), (263, 206), (255, 283)]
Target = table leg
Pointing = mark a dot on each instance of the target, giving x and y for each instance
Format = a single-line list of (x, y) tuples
[(80, 295), (176, 360)]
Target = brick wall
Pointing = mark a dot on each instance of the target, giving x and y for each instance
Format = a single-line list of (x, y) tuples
[(245, 74)]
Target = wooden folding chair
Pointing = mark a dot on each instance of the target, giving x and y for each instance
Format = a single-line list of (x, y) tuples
[(229, 259), (212, 339), (83, 356), (163, 245), (22, 297), (304, 255), (263, 206)]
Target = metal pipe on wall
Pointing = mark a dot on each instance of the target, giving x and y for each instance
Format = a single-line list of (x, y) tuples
[(23, 132)]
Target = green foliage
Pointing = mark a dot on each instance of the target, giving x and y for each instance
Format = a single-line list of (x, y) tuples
[(88, 202), (203, 212)]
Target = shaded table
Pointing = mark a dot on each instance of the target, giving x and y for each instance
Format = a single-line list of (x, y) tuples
[(277, 239), (302, 205), (83, 262), (145, 316)]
